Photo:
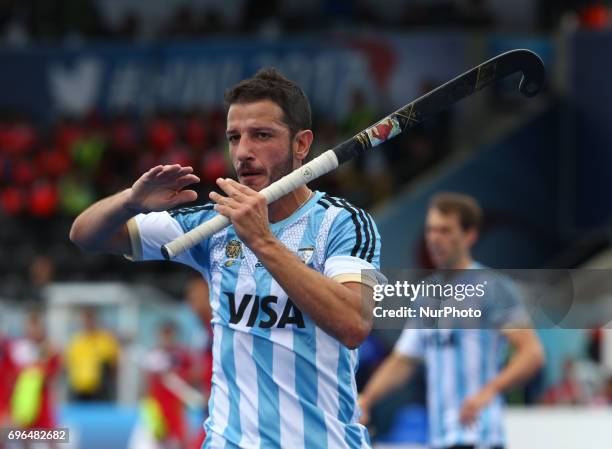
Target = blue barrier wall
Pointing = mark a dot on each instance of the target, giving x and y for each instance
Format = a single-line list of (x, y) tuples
[(185, 75), (106, 426), (98, 426)]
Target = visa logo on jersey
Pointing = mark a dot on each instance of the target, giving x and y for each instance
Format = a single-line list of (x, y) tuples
[(269, 316)]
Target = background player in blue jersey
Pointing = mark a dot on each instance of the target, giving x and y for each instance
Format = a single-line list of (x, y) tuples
[(464, 373), (286, 282)]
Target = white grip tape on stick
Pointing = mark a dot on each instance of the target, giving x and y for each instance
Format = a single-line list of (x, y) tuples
[(196, 235), (319, 166), (306, 173)]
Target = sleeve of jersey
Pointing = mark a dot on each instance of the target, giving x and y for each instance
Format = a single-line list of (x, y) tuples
[(149, 232), (353, 249), (411, 344), (504, 307)]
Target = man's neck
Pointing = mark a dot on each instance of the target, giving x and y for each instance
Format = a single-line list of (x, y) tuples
[(463, 264), (287, 205)]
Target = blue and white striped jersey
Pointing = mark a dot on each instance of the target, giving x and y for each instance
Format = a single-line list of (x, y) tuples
[(278, 379), (459, 363)]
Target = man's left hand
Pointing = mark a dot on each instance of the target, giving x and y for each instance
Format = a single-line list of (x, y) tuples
[(474, 404), (247, 210)]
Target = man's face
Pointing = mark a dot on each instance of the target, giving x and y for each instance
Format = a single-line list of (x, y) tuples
[(35, 328), (259, 143), (89, 319), (446, 240)]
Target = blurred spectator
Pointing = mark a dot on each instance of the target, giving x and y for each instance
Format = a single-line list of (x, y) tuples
[(87, 152), (213, 166), (40, 274), (5, 381), (13, 200), (567, 391), (197, 296), (580, 384), (595, 16), (164, 404), (608, 390), (49, 174), (211, 22), (161, 133), (91, 359), (52, 163), (197, 134), (56, 19), (130, 27), (452, 227), (32, 366), (594, 345), (475, 14), (361, 114), (44, 199), (65, 133), (183, 24), (18, 137), (40, 20), (76, 193), (258, 14)]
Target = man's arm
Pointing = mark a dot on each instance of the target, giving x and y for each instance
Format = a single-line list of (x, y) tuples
[(393, 372), (527, 359), (102, 226), (342, 310)]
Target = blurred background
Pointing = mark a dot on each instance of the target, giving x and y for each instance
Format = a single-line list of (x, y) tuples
[(95, 92)]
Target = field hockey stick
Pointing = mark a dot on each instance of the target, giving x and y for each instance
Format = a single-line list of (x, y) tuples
[(430, 104)]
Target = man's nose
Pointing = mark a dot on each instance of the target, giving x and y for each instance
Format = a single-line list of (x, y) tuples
[(244, 149)]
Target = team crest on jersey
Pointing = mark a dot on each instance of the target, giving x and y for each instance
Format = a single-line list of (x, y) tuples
[(233, 249), (305, 254)]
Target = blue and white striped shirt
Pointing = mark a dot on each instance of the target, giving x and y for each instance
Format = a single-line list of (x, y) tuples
[(460, 362), (278, 379)]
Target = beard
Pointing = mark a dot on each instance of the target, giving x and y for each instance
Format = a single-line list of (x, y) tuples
[(275, 173), (283, 168)]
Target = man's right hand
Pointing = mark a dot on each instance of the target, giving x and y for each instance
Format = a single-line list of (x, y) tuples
[(160, 189)]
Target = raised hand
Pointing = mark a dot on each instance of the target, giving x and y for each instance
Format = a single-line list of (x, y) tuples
[(246, 208), (161, 189)]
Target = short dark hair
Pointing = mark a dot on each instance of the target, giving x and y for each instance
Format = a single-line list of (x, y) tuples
[(270, 84), (465, 206)]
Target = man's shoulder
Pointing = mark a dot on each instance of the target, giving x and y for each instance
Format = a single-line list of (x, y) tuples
[(193, 211), (342, 207), (191, 216)]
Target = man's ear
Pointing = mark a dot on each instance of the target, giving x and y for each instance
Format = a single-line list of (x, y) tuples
[(472, 235), (301, 144)]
